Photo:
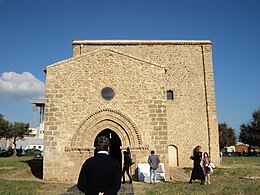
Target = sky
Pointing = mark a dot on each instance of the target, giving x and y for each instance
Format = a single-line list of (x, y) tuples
[(37, 33)]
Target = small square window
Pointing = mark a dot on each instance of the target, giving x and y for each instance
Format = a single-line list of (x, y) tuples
[(169, 95)]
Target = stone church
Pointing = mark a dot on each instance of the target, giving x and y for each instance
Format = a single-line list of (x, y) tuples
[(143, 94)]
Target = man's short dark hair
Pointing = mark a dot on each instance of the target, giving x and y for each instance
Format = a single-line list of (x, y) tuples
[(152, 152), (101, 143)]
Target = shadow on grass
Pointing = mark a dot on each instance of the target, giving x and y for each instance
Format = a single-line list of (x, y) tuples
[(73, 190), (125, 189), (36, 166)]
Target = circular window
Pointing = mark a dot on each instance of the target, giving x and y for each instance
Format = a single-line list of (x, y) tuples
[(108, 93)]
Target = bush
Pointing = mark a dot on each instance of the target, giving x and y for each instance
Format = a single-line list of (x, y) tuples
[(231, 154), (236, 154), (5, 153), (33, 152)]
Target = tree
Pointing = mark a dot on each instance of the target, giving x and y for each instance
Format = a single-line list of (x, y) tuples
[(16, 131), (226, 135), (4, 124), (250, 132)]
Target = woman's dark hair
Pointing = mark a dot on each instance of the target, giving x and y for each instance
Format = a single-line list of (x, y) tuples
[(196, 149), (205, 153)]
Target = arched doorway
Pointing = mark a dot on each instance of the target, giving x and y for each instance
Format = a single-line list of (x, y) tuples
[(173, 156), (118, 123), (115, 143)]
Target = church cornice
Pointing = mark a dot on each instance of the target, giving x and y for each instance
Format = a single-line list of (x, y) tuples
[(142, 42)]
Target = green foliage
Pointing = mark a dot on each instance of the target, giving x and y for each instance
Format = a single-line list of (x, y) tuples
[(33, 152), (15, 131), (250, 132), (18, 130), (4, 124), (226, 135)]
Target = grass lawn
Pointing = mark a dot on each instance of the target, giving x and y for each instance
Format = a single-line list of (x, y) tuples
[(237, 175), (23, 176)]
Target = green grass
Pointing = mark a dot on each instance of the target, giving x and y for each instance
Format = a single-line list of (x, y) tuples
[(16, 162), (11, 164), (19, 187), (11, 184), (250, 161), (227, 179), (24, 187)]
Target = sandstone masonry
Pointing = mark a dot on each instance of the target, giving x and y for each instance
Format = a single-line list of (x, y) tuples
[(139, 116)]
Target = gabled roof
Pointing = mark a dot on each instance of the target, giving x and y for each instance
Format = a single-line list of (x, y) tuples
[(102, 50)]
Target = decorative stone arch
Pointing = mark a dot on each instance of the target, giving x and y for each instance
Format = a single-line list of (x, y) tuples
[(87, 131)]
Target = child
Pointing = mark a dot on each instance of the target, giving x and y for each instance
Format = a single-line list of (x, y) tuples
[(206, 166)]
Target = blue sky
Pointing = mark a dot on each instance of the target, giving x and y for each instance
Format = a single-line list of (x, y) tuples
[(36, 33)]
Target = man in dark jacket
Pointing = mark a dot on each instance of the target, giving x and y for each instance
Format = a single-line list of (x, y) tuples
[(153, 161), (100, 174)]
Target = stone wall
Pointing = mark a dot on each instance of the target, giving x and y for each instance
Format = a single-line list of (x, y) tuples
[(140, 73)]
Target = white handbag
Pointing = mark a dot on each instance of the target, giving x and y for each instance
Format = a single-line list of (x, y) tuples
[(212, 165)]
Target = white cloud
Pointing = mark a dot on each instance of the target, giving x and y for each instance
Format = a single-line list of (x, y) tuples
[(21, 86)]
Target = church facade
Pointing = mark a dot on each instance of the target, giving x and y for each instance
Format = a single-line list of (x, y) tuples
[(145, 95)]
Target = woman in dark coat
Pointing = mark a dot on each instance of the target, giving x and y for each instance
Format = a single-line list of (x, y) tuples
[(197, 171), (126, 167)]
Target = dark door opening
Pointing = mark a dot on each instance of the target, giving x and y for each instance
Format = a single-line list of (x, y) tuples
[(115, 143)]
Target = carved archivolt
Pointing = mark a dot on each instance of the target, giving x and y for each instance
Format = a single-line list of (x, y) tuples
[(106, 119)]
